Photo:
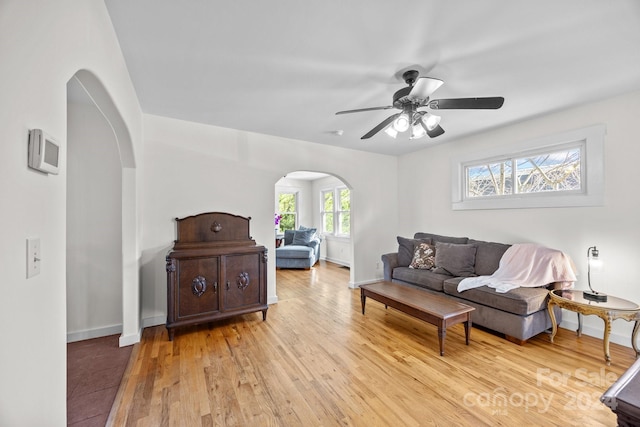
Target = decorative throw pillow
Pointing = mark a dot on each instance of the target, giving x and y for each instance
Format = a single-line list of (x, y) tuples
[(302, 237), (455, 260), (313, 235), (303, 228), (424, 257), (288, 236), (406, 249)]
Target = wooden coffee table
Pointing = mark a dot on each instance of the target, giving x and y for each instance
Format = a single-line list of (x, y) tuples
[(434, 309)]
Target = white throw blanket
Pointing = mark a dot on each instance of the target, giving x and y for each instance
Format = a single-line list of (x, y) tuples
[(527, 265)]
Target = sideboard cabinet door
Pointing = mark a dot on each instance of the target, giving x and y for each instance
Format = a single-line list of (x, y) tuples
[(244, 281), (198, 287)]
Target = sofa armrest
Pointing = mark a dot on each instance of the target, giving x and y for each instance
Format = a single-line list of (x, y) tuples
[(315, 245), (389, 262)]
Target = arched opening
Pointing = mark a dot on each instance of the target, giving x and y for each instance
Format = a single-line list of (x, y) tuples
[(102, 285), (323, 202), (94, 205)]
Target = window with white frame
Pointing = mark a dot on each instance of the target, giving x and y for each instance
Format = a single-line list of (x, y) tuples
[(556, 171), (336, 211), (288, 210)]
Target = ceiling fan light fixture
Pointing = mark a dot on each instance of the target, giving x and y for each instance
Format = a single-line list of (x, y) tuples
[(391, 131), (417, 131), (401, 124), (431, 121), (415, 95)]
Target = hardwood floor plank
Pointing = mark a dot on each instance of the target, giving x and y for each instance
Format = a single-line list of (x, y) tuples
[(317, 361)]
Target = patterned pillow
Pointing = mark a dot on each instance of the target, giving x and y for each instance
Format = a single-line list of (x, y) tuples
[(424, 257), (406, 249)]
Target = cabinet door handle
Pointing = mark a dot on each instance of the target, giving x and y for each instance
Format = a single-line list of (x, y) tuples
[(198, 286), (243, 280), (215, 287), (228, 285)]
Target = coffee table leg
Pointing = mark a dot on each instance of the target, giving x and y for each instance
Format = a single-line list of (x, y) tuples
[(467, 329), (442, 334), (363, 299)]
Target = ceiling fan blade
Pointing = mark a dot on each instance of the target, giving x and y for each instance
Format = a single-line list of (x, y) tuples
[(490, 103), (359, 110), (437, 131), (381, 126), (423, 88)]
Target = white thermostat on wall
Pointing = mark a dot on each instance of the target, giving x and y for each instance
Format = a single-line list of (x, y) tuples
[(44, 152)]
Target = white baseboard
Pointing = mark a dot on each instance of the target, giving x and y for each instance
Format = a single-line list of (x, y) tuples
[(337, 261), (147, 322), (88, 334), (126, 340), (364, 282), (272, 300)]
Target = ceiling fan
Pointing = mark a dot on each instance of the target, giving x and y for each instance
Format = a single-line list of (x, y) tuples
[(416, 95)]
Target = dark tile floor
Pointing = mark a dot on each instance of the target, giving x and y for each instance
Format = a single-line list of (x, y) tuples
[(94, 371)]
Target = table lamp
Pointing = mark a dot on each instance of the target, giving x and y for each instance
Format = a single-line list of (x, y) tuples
[(593, 259)]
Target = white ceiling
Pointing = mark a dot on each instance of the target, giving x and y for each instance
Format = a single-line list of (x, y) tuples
[(284, 67)]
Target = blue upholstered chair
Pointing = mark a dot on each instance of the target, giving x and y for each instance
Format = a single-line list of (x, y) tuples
[(300, 249)]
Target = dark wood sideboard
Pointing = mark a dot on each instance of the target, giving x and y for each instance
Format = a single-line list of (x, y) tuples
[(214, 271)]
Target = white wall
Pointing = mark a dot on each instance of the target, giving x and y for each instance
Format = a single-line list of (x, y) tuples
[(42, 45), (614, 227), (94, 224), (192, 168)]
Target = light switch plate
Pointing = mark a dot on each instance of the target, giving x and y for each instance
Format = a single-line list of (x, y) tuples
[(33, 257)]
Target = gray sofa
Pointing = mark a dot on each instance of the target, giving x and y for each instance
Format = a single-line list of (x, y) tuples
[(300, 249), (519, 314)]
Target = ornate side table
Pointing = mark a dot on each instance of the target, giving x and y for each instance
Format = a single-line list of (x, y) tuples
[(610, 310)]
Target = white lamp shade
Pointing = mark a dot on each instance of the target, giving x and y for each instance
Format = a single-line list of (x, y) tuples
[(417, 131), (431, 121), (391, 131), (401, 124)]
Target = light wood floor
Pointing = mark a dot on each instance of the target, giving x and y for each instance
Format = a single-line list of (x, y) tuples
[(317, 361)]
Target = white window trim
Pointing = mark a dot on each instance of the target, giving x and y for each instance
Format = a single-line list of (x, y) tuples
[(339, 212), (295, 214), (323, 212), (591, 137), (336, 212)]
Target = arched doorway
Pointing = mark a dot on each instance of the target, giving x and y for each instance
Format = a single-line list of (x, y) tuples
[(102, 270), (317, 193)]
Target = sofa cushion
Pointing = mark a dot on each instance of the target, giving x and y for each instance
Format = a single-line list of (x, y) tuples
[(424, 257), (302, 237), (455, 260), (424, 278), (406, 249), (288, 236), (520, 301), (438, 238), (488, 256), (294, 251), (315, 231)]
